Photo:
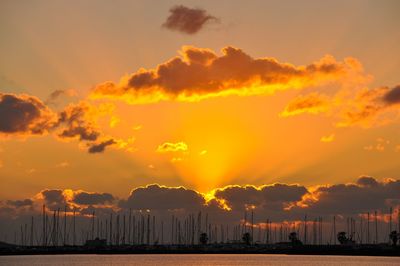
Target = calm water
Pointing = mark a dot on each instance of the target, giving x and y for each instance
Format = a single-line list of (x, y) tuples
[(177, 260)]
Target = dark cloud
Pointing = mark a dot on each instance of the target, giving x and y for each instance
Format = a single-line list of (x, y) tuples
[(24, 114), (55, 95), (84, 133), (16, 208), (27, 115), (349, 199), (188, 20), (79, 121), (100, 147), (54, 199), (76, 123), (278, 202), (20, 203), (392, 96), (7, 212), (227, 205), (92, 198), (367, 181), (75, 199), (277, 196), (155, 197), (282, 204), (201, 73)]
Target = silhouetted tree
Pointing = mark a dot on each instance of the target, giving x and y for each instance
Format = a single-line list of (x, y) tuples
[(203, 238), (293, 238), (394, 237), (246, 238), (342, 238)]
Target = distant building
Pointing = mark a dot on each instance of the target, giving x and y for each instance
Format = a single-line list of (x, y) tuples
[(97, 242)]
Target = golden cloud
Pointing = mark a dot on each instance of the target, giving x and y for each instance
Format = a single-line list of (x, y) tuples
[(172, 147), (312, 103), (328, 138), (367, 108), (199, 73), (372, 107)]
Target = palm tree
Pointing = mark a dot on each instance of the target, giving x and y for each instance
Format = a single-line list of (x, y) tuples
[(246, 238), (394, 237), (203, 238), (293, 238), (342, 238)]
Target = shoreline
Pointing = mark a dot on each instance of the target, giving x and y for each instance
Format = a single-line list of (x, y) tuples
[(367, 250)]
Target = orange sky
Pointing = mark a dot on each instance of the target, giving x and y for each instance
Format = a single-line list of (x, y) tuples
[(291, 115)]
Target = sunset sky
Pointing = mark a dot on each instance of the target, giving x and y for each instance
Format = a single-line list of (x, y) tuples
[(110, 96)]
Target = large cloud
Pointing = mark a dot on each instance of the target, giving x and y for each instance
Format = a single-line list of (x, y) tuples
[(242, 197), (74, 199), (188, 20), (92, 198), (225, 205), (155, 197), (366, 195), (54, 198), (24, 114), (200, 73), (279, 202), (11, 209), (20, 203)]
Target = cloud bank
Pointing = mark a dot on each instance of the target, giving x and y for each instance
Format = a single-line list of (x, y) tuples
[(366, 195), (278, 201), (284, 206)]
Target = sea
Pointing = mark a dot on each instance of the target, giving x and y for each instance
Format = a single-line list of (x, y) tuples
[(198, 259)]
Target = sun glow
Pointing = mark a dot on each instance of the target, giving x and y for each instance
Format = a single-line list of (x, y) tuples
[(219, 147)]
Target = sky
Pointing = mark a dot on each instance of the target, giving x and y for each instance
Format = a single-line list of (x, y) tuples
[(114, 96)]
